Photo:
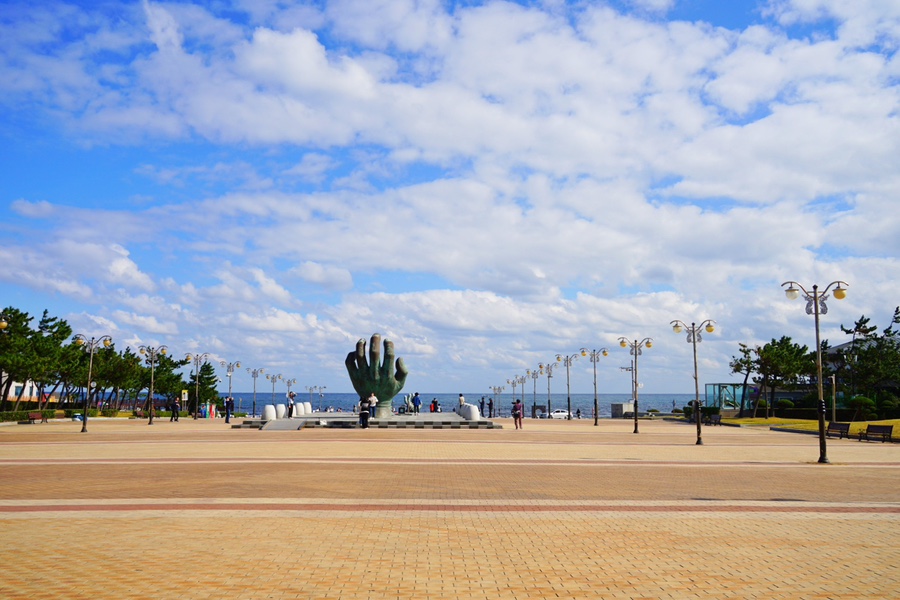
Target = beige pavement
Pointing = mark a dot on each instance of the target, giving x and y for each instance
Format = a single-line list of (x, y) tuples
[(561, 509)]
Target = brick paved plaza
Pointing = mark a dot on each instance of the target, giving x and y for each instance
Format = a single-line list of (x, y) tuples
[(195, 509)]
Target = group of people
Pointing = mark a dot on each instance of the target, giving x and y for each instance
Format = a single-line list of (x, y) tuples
[(490, 407), (366, 408)]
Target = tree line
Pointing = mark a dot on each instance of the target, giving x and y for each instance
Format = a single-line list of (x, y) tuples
[(866, 369), (45, 353)]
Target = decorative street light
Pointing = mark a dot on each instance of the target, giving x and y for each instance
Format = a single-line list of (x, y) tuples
[(229, 372), (289, 382), (815, 305), (152, 353), (254, 373), (4, 322), (90, 345), (548, 368), (567, 360), (319, 389), (635, 352), (496, 390), (694, 338), (513, 382), (198, 360), (534, 375), (273, 378), (595, 358)]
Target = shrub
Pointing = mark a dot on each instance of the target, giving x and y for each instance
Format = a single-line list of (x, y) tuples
[(677, 411), (652, 410), (785, 403), (865, 407)]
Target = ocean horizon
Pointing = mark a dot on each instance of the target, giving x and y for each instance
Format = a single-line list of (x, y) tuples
[(344, 402)]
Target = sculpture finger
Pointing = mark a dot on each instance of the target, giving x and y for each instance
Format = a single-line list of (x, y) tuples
[(360, 356), (375, 355), (402, 372), (388, 359)]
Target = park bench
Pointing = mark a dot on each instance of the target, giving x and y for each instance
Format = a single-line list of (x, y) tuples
[(714, 420), (34, 416), (139, 413), (842, 430), (885, 431)]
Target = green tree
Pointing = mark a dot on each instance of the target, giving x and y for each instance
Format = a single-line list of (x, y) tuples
[(743, 365), (15, 353), (781, 362), (873, 361), (208, 381)]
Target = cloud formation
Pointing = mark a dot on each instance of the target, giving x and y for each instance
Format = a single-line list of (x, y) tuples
[(487, 183)]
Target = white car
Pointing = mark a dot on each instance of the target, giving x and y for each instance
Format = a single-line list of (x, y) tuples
[(559, 413)]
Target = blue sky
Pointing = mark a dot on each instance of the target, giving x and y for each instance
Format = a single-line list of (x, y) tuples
[(486, 183)]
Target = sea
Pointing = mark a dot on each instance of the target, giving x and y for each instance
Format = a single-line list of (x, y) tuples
[(664, 403)]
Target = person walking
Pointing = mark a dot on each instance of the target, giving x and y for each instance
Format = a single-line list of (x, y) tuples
[(481, 406), (517, 413), (417, 402), (229, 408), (491, 408), (366, 406)]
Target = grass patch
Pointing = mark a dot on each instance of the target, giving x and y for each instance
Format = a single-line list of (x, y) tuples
[(855, 427), (763, 422)]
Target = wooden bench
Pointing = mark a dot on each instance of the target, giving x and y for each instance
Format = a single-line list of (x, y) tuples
[(842, 430), (713, 419), (885, 431), (34, 416)]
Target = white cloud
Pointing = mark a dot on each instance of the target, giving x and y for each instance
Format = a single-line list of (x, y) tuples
[(487, 185)]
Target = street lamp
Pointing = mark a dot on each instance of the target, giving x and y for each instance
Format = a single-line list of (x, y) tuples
[(229, 371), (496, 390), (152, 353), (4, 322), (316, 389), (635, 352), (815, 305), (513, 382), (548, 368), (254, 373), (534, 375), (198, 360), (595, 358), (273, 378), (694, 338), (567, 360), (90, 345)]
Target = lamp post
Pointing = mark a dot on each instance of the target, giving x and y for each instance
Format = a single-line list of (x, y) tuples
[(273, 378), (229, 372), (694, 338), (90, 345), (513, 382), (4, 322), (254, 373), (635, 352), (315, 389), (289, 382), (496, 390), (549, 370), (567, 360), (534, 376), (595, 358), (151, 353), (815, 305), (198, 359)]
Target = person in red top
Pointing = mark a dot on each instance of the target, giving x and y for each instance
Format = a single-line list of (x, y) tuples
[(517, 414)]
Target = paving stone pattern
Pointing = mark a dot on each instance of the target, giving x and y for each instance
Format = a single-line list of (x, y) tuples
[(196, 509)]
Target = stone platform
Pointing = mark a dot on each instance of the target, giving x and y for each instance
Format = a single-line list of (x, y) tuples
[(446, 420)]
